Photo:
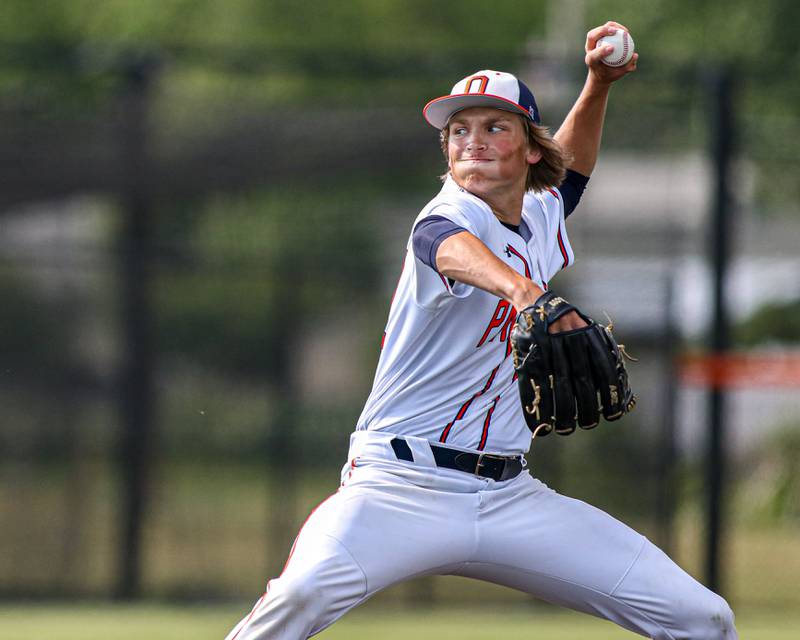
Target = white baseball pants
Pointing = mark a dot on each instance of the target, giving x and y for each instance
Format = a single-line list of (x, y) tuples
[(393, 520)]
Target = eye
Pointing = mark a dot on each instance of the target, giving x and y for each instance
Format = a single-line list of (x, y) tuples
[(494, 128), (458, 131)]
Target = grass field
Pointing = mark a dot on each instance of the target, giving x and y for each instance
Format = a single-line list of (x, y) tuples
[(153, 622), (212, 531)]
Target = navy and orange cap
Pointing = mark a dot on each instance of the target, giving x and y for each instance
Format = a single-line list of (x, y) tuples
[(483, 89)]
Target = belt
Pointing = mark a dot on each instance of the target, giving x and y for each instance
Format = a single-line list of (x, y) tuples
[(484, 465)]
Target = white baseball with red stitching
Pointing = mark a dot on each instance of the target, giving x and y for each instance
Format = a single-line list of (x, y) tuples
[(623, 48)]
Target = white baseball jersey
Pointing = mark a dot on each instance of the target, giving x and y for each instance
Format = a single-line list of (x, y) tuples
[(445, 371)]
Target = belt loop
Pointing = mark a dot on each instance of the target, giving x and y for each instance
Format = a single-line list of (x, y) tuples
[(401, 449)]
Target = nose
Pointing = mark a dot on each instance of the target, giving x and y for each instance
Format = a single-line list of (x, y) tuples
[(475, 140)]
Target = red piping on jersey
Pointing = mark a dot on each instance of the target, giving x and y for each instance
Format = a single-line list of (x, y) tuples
[(561, 244), (524, 261), (563, 248), (444, 281), (486, 424), (464, 407)]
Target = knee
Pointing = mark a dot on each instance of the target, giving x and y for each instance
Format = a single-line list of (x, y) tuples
[(713, 620), (722, 624), (299, 594)]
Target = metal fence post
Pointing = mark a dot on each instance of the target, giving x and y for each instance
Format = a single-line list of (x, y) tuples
[(719, 84), (136, 383)]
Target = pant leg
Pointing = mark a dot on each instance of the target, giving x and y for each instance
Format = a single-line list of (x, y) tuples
[(320, 583), (377, 530), (569, 553)]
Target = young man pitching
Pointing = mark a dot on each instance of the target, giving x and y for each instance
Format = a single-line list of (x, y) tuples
[(436, 481)]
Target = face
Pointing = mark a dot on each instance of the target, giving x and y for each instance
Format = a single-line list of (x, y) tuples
[(488, 152)]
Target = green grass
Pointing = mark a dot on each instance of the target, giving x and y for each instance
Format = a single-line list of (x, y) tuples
[(156, 622), (222, 530)]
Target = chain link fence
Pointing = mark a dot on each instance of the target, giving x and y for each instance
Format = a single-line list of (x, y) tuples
[(195, 282)]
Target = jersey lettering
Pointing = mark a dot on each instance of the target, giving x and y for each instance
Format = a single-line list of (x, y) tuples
[(506, 332), (498, 317), (504, 316)]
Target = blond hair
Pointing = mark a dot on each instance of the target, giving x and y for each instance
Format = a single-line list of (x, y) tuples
[(549, 172)]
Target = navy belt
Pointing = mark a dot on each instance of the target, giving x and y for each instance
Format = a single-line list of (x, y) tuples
[(484, 465)]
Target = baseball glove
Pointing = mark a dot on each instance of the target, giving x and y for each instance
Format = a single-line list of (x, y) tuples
[(567, 378)]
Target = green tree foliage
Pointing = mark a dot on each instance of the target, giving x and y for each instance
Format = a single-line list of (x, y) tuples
[(259, 264), (680, 39), (769, 479), (389, 52), (325, 24), (778, 322), (752, 35), (35, 331)]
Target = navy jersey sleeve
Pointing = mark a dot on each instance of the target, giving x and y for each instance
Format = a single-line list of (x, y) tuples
[(429, 233), (572, 189)]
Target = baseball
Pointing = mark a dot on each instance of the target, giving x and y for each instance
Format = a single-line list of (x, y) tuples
[(623, 48)]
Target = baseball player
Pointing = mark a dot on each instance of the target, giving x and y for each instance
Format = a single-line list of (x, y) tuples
[(436, 482)]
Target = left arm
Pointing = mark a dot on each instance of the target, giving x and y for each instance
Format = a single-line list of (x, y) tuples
[(582, 129)]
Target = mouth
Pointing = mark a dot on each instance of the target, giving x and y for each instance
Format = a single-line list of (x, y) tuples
[(476, 160)]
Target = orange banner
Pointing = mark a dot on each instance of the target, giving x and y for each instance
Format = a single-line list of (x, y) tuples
[(741, 370)]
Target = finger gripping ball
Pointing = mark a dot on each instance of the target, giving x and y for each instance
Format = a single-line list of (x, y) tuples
[(623, 48)]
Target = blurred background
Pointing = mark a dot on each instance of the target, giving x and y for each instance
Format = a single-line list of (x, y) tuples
[(204, 207)]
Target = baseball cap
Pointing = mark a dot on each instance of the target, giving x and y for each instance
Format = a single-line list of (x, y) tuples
[(485, 88)]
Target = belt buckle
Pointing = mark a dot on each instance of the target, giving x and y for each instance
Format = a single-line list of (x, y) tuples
[(481, 456)]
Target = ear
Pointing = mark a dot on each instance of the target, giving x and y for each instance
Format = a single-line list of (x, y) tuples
[(533, 155)]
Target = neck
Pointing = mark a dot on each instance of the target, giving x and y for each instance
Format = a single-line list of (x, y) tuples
[(505, 202), (506, 209)]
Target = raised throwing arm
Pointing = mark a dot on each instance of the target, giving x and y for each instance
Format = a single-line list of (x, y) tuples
[(582, 129)]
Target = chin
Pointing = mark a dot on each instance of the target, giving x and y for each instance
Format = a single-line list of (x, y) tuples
[(473, 181)]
